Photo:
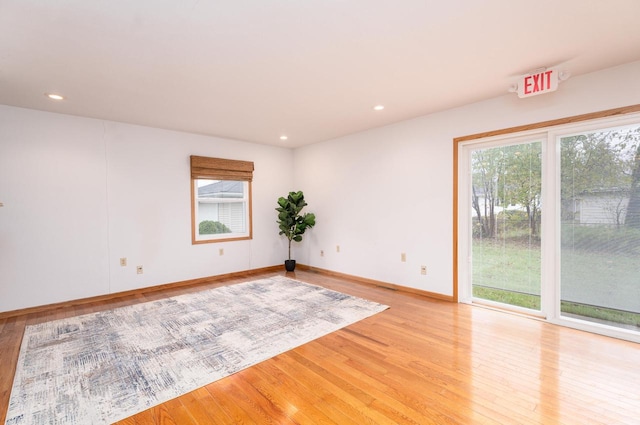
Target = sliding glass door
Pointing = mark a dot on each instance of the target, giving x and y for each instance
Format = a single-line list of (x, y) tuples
[(600, 226), (549, 224)]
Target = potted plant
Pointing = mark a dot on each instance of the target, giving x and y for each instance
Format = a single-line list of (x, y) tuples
[(292, 223)]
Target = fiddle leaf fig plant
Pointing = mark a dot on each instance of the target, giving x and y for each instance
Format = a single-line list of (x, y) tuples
[(291, 221)]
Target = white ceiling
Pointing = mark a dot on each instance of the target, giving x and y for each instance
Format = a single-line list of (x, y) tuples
[(312, 69)]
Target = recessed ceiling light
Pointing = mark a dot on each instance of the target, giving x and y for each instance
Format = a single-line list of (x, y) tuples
[(378, 107), (54, 96), (283, 137)]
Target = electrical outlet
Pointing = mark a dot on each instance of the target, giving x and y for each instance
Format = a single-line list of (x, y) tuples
[(321, 253), (123, 262), (337, 248), (423, 269), (139, 270), (221, 251), (403, 257)]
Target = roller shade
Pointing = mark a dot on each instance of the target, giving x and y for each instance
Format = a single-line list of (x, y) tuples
[(203, 167)]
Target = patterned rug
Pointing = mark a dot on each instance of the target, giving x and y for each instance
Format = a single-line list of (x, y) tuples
[(103, 367)]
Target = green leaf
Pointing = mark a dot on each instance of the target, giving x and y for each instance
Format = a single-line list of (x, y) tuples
[(309, 219), (290, 222)]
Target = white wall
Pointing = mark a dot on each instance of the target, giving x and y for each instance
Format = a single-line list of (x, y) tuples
[(53, 226), (80, 193), (390, 190)]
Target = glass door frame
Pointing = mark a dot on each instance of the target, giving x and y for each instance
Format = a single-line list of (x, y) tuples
[(550, 309), (553, 181), (465, 243)]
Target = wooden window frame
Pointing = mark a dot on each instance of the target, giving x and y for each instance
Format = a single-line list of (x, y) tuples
[(220, 169)]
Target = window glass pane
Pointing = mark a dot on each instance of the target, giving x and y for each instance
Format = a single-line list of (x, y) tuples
[(506, 211), (600, 226), (221, 209)]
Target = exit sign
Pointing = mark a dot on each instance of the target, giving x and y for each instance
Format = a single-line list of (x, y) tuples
[(537, 83)]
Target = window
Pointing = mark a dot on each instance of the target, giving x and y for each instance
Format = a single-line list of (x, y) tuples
[(220, 199)]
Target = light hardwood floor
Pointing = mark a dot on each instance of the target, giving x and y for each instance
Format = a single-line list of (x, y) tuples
[(423, 361)]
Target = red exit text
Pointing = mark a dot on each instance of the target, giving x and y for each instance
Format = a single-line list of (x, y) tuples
[(542, 82)]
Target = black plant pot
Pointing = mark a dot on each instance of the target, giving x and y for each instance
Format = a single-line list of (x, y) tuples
[(290, 265)]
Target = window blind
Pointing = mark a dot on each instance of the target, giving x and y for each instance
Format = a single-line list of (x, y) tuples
[(203, 167)]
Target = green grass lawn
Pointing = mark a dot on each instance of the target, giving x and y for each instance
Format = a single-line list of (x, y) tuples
[(507, 297), (599, 286), (513, 267)]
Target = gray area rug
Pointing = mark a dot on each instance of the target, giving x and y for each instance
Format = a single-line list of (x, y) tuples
[(103, 367)]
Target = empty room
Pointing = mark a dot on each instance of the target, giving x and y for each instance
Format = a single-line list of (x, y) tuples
[(319, 212)]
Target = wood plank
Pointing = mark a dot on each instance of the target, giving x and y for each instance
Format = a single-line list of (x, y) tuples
[(203, 408), (278, 394)]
